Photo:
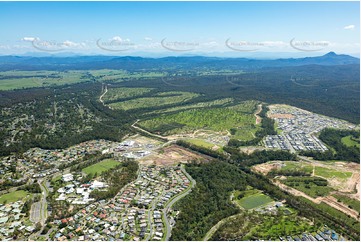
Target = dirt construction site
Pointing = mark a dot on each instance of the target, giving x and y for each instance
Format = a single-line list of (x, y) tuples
[(172, 155), (348, 186)]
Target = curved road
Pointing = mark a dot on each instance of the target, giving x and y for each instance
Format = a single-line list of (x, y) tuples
[(101, 97), (174, 200), (38, 211)]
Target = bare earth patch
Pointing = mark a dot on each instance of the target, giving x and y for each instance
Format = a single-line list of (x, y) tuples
[(172, 155)]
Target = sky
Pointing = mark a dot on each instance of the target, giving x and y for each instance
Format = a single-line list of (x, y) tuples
[(180, 28)]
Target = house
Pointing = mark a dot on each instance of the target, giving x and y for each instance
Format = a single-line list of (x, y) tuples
[(97, 184), (67, 177), (30, 229), (3, 220)]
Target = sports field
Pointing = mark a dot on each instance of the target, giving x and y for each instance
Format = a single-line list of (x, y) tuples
[(252, 199), (101, 166), (13, 196)]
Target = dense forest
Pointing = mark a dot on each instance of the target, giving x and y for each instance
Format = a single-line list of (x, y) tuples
[(320, 213), (339, 150), (58, 119), (209, 201)]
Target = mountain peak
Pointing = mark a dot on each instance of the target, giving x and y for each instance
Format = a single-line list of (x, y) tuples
[(331, 54)]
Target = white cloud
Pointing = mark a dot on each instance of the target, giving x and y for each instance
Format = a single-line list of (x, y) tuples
[(116, 38), (69, 43), (351, 26), (119, 39), (30, 39), (148, 39)]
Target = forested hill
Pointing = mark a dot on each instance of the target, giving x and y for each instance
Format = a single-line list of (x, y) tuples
[(138, 63)]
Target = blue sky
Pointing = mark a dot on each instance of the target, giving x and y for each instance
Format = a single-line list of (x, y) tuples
[(178, 28)]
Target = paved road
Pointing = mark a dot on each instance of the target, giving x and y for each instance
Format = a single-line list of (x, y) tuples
[(173, 201), (145, 131), (43, 203), (38, 212)]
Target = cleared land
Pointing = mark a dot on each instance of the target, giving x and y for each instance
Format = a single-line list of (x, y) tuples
[(238, 121), (172, 155), (13, 196), (203, 143), (265, 168), (350, 141), (214, 103), (121, 75), (159, 99), (10, 80), (124, 92), (343, 179), (312, 186), (350, 202), (101, 166), (332, 173), (341, 176)]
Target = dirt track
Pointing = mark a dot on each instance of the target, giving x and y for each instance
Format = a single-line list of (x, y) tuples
[(331, 201), (258, 118)]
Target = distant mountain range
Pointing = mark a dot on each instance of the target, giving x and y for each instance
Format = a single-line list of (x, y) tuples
[(132, 63)]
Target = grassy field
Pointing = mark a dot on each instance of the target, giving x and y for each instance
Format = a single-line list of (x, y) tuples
[(160, 99), (124, 92), (331, 173), (350, 141), (239, 120), (312, 186), (297, 166), (120, 75), (352, 203), (56, 178), (10, 80), (203, 143), (251, 199), (13, 196), (214, 103), (101, 166)]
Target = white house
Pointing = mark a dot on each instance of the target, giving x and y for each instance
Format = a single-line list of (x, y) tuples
[(68, 177)]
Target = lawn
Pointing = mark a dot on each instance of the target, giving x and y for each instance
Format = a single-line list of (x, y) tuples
[(253, 199), (101, 166), (13, 196), (350, 141), (331, 173)]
